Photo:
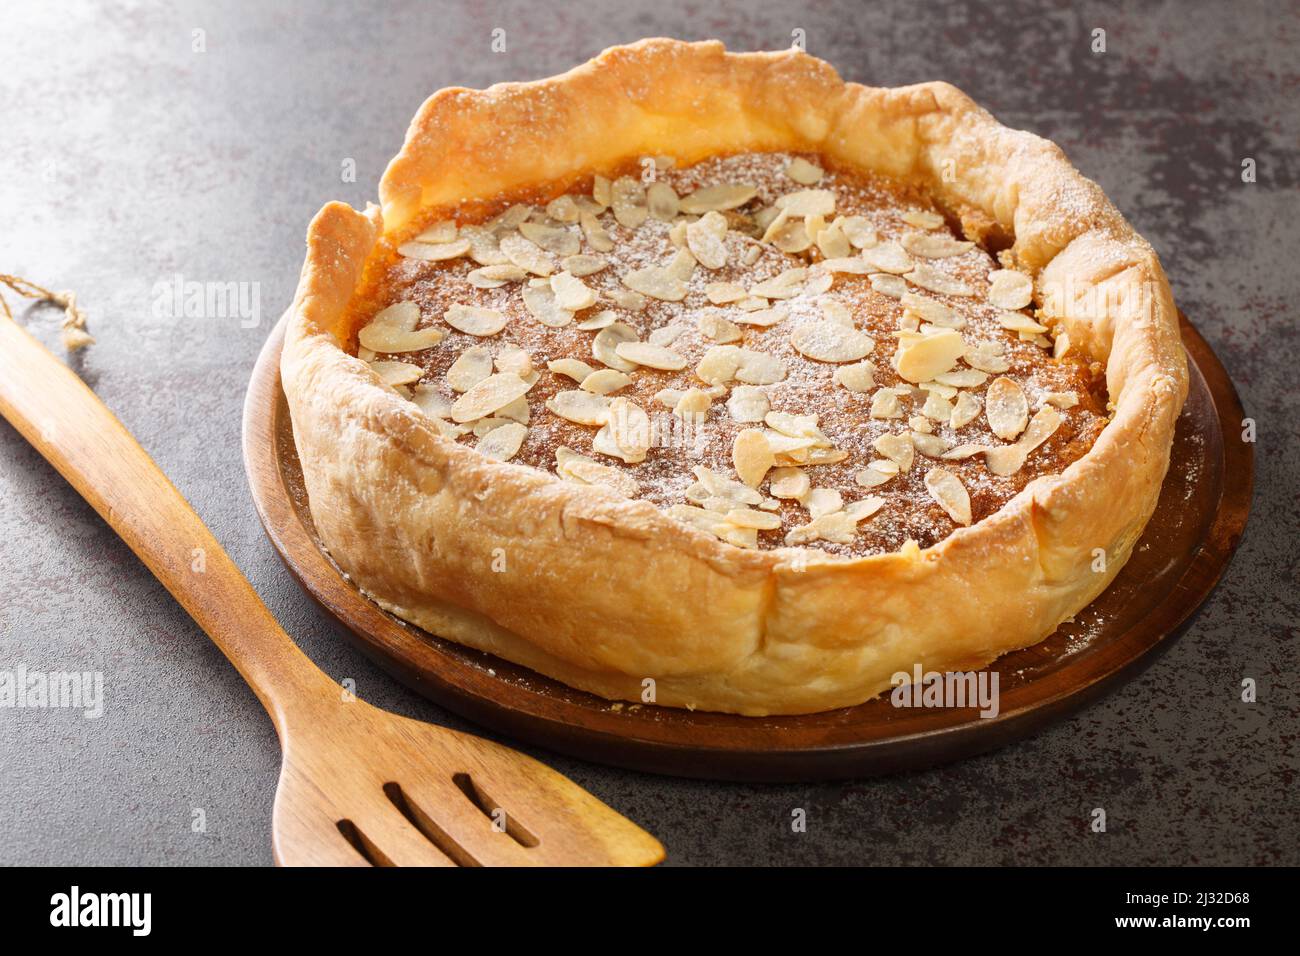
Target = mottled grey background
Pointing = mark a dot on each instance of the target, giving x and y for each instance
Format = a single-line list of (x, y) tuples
[(126, 159)]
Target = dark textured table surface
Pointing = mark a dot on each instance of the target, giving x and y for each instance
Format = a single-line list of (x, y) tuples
[(128, 159)]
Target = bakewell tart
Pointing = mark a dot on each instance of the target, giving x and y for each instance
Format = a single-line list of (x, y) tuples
[(713, 380)]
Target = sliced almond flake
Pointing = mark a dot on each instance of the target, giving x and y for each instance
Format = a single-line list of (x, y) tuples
[(1019, 322), (1062, 399), (475, 320), (833, 310), (720, 197), (397, 373), (751, 255), (922, 219), (430, 401), (570, 368), (945, 391), (789, 483), (748, 403), (850, 265), (400, 315), (964, 411), (628, 201), (932, 446), (783, 286), (704, 238), (838, 527), (752, 457), (720, 486), (919, 423), (714, 524), (922, 358), (722, 293), (677, 233), (807, 202), (864, 508), (543, 305), (797, 426), (597, 237), (804, 172), (789, 235), (719, 364), (965, 451), (434, 251), (1006, 408), (682, 265), (885, 404), (929, 246), (833, 243), (1061, 345), (554, 239), (877, 473), (382, 337), (485, 397), (759, 368), (937, 407), (763, 318), (502, 443), (661, 201), (858, 231), (749, 518), (527, 255), (571, 293), (753, 303), (909, 323), (598, 320), (516, 411), (572, 466), (652, 356), (1008, 459), (471, 367), (666, 335), (987, 357), (444, 231), (579, 407), (898, 448), (602, 191), (887, 257), (510, 218), (1010, 290), (669, 397), (822, 456), (858, 378), (606, 381), (932, 311), (962, 378), (656, 282), (583, 264), (484, 246), (366, 355), (627, 433), (947, 489), (824, 501), (927, 277), (493, 277), (888, 284), (819, 281), (716, 328), (605, 345), (694, 402), (562, 209)]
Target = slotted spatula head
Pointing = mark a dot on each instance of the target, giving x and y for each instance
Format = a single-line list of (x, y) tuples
[(360, 786)]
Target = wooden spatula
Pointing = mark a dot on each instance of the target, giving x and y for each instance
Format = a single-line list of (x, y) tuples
[(358, 785)]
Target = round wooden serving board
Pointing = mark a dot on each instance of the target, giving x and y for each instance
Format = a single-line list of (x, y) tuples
[(1196, 527)]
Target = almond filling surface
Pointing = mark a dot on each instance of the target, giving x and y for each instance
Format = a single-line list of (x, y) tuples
[(768, 350)]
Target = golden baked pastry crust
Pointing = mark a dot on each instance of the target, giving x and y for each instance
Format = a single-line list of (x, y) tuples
[(602, 592)]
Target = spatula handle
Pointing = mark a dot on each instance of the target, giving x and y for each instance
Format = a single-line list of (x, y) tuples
[(67, 423)]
